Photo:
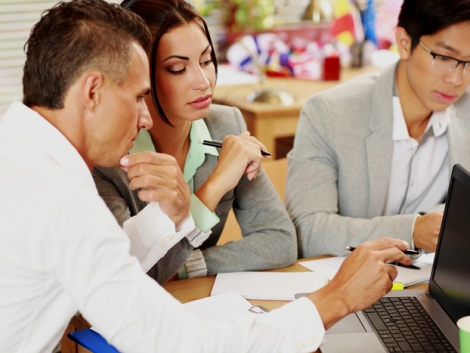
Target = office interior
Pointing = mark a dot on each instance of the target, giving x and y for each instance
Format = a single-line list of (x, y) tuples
[(269, 85)]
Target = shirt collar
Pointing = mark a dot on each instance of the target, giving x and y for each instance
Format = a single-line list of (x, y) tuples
[(197, 151), (438, 121), (26, 124)]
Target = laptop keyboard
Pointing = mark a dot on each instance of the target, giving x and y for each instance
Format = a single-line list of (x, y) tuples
[(404, 326)]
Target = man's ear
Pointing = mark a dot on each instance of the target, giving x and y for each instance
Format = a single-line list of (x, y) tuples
[(403, 43), (92, 89)]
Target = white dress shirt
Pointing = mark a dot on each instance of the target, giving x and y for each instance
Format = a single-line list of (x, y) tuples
[(62, 251), (152, 233), (420, 171)]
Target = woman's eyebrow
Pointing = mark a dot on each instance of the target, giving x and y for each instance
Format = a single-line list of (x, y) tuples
[(185, 57), (206, 49), (176, 57)]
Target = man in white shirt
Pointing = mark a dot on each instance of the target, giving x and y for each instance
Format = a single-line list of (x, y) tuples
[(62, 251), (372, 157)]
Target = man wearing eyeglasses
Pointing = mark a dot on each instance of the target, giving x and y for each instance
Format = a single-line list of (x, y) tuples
[(372, 157)]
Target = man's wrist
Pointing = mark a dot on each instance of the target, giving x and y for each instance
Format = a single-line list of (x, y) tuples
[(177, 219), (330, 305)]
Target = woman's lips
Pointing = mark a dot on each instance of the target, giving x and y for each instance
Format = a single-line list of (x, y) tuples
[(446, 97), (202, 102)]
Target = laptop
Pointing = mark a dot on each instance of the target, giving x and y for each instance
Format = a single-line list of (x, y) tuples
[(420, 321)]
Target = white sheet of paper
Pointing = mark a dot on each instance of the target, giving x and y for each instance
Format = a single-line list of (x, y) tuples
[(330, 266), (268, 285), (410, 277), (427, 258), (219, 307)]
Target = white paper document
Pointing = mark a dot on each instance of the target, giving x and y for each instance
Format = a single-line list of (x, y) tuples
[(330, 266), (219, 307), (327, 267), (268, 285)]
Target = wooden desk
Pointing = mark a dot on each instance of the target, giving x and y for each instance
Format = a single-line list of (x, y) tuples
[(268, 121), (197, 288), (188, 290)]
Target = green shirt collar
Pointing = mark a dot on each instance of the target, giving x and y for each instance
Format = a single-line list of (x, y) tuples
[(197, 152)]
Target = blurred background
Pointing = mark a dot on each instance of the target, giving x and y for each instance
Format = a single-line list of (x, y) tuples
[(303, 39)]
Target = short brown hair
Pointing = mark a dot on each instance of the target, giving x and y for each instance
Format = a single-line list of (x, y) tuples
[(76, 36), (162, 16)]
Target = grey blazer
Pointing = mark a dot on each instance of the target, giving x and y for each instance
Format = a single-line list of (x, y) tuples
[(340, 165), (268, 233)]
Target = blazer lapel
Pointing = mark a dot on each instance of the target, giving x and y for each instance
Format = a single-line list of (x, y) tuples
[(379, 143)]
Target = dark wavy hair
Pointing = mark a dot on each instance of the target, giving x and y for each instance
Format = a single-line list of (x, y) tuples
[(76, 36), (162, 16), (426, 17)]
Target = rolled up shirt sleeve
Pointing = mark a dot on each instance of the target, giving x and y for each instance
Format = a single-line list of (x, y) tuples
[(203, 217)]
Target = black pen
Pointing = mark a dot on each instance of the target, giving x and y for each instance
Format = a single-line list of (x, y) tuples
[(407, 251), (411, 267), (218, 144)]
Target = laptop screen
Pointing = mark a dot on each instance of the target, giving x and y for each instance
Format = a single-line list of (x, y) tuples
[(450, 279)]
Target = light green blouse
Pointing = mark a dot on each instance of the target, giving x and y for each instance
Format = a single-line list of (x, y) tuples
[(203, 217)]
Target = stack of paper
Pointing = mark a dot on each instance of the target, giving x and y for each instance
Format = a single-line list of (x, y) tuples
[(268, 285)]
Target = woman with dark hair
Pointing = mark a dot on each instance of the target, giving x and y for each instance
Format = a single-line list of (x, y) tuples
[(183, 75)]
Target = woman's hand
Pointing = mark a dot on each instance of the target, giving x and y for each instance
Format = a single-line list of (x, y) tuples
[(239, 155)]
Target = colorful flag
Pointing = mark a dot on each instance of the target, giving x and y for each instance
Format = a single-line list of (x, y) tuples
[(368, 22), (347, 26)]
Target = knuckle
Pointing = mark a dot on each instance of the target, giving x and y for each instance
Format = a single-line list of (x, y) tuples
[(140, 168), (229, 139), (171, 158), (143, 195), (146, 156), (146, 179)]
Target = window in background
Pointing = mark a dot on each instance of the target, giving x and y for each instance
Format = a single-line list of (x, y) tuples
[(16, 19)]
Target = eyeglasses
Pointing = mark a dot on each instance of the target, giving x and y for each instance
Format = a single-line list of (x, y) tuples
[(446, 63)]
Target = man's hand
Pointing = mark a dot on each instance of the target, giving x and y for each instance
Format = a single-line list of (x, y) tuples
[(363, 278), (426, 232), (239, 155), (161, 180)]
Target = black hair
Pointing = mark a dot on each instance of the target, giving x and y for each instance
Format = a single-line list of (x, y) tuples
[(161, 16), (427, 17)]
